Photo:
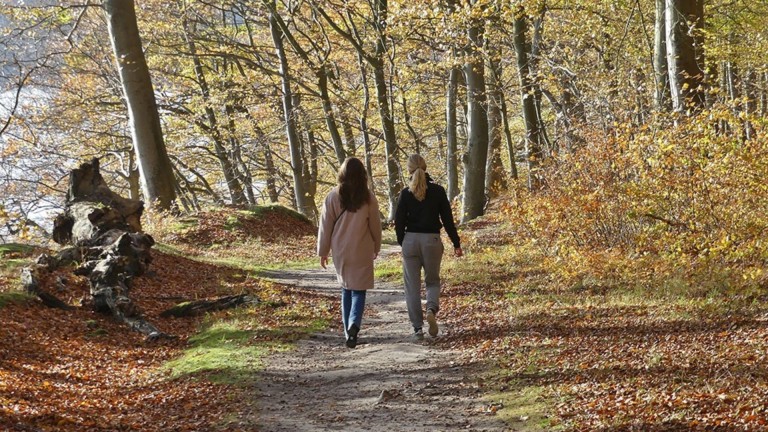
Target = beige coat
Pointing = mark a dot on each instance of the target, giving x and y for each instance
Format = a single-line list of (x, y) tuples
[(354, 240)]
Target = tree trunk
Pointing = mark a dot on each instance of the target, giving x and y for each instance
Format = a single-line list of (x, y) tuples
[(533, 133), (364, 122), (417, 143), (476, 155), (271, 174), (451, 132), (241, 169), (301, 194), (495, 181), (330, 119), (685, 54), (234, 187), (388, 126), (661, 98), (394, 185), (764, 95), (508, 135), (749, 89), (349, 134), (157, 181)]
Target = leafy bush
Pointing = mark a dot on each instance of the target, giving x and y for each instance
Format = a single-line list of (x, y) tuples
[(670, 199)]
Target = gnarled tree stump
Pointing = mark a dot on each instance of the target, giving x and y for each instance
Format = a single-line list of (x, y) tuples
[(104, 230)]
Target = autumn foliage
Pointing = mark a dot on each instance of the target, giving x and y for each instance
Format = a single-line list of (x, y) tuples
[(639, 205), (81, 371)]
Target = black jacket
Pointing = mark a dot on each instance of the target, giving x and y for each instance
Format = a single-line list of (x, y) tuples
[(425, 216)]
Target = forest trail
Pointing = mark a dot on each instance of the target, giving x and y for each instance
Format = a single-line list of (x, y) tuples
[(389, 383)]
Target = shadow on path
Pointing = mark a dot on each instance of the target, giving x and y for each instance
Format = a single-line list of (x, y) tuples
[(389, 383)]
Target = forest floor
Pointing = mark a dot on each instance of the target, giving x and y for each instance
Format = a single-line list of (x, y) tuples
[(519, 349)]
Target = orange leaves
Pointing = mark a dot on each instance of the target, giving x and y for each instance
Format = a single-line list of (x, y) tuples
[(81, 371)]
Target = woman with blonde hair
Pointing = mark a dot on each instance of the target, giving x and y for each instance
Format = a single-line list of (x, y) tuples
[(422, 209), (351, 228)]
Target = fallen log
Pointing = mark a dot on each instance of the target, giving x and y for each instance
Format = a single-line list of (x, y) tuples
[(199, 307), (104, 230)]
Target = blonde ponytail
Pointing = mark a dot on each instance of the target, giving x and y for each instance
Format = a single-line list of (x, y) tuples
[(417, 166)]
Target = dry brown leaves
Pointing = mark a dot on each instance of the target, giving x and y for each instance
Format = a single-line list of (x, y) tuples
[(81, 371), (230, 225), (652, 367)]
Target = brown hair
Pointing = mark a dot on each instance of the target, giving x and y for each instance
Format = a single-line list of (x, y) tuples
[(353, 184)]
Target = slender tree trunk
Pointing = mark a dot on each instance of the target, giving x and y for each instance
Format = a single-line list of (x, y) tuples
[(271, 171), (533, 133), (364, 122), (476, 155), (241, 168), (533, 70), (200, 178), (495, 181), (764, 95), (508, 134), (233, 184), (388, 125), (685, 54), (301, 194), (134, 178), (157, 180), (417, 143), (661, 98), (349, 134), (330, 119), (749, 89), (387, 121), (451, 132), (308, 154)]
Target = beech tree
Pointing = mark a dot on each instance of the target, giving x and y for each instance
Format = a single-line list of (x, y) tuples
[(157, 181), (684, 21), (376, 59), (303, 193), (533, 132), (476, 154)]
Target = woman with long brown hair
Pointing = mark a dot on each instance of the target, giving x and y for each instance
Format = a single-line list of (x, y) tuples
[(351, 228)]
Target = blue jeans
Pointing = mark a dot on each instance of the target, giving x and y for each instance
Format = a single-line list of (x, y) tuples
[(352, 305)]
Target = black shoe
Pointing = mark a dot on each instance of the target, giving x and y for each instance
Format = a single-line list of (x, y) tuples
[(352, 336)]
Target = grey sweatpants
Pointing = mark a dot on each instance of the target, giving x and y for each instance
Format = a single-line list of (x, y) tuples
[(425, 251)]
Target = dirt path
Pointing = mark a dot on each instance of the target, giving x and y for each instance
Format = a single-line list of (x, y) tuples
[(389, 383)]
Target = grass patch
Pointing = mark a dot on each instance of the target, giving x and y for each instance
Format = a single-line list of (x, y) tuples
[(14, 256), (232, 223), (16, 249), (388, 270), (14, 297), (389, 236), (222, 351), (523, 407), (231, 351)]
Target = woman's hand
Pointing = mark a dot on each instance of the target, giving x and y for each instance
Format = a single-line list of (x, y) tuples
[(323, 261), (458, 252)]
